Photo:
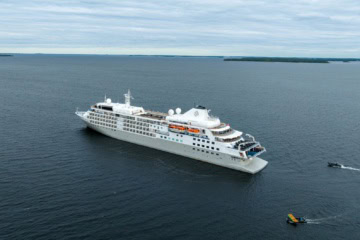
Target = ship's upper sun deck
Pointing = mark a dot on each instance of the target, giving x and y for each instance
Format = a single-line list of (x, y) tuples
[(154, 115)]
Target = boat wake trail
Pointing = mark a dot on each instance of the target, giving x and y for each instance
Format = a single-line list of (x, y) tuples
[(350, 168), (319, 220)]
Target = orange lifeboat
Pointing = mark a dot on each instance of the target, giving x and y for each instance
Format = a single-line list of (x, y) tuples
[(193, 130), (179, 128)]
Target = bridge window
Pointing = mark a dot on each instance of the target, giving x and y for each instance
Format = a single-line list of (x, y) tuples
[(107, 108)]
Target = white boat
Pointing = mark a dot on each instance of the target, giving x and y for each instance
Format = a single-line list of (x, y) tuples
[(194, 134)]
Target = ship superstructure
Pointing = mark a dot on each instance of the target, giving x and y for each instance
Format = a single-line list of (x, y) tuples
[(195, 133)]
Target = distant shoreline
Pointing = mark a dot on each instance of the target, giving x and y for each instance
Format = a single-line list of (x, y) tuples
[(6, 55), (291, 59)]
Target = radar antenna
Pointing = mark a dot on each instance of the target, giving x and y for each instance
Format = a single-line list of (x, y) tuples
[(128, 98)]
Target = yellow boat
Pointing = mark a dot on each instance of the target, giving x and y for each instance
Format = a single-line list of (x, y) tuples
[(295, 220)]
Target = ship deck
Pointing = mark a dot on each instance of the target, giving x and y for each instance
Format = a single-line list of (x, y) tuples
[(154, 115), (222, 125)]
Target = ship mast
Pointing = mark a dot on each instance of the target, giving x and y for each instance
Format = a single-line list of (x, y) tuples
[(128, 98)]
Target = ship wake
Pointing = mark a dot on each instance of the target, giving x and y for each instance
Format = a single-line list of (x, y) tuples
[(319, 220), (349, 168)]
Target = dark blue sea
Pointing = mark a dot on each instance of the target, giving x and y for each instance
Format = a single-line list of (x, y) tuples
[(60, 180)]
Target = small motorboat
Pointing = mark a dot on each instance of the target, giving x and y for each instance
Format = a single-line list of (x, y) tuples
[(295, 220), (336, 165)]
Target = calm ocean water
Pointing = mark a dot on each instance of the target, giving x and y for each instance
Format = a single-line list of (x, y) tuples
[(60, 180)]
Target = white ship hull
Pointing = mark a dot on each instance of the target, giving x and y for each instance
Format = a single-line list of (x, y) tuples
[(252, 166)]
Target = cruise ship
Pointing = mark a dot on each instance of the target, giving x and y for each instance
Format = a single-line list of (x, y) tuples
[(194, 134)]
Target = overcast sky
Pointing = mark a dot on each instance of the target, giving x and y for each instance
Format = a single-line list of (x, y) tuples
[(312, 28)]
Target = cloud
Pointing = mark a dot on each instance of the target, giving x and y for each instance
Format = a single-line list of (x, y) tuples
[(193, 27)]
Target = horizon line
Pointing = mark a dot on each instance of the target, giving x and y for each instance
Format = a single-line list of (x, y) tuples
[(172, 55)]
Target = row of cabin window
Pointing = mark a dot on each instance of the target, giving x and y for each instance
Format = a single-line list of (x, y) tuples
[(139, 132), (133, 124), (205, 146), (136, 127), (102, 120), (204, 151), (142, 124), (103, 124), (174, 139), (137, 123), (148, 121), (125, 117), (102, 113), (102, 116), (203, 140)]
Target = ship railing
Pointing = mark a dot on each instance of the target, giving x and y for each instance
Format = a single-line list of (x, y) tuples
[(255, 152), (223, 134), (248, 145), (222, 125)]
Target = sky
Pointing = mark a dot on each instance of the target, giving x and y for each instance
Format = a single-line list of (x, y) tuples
[(285, 28)]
